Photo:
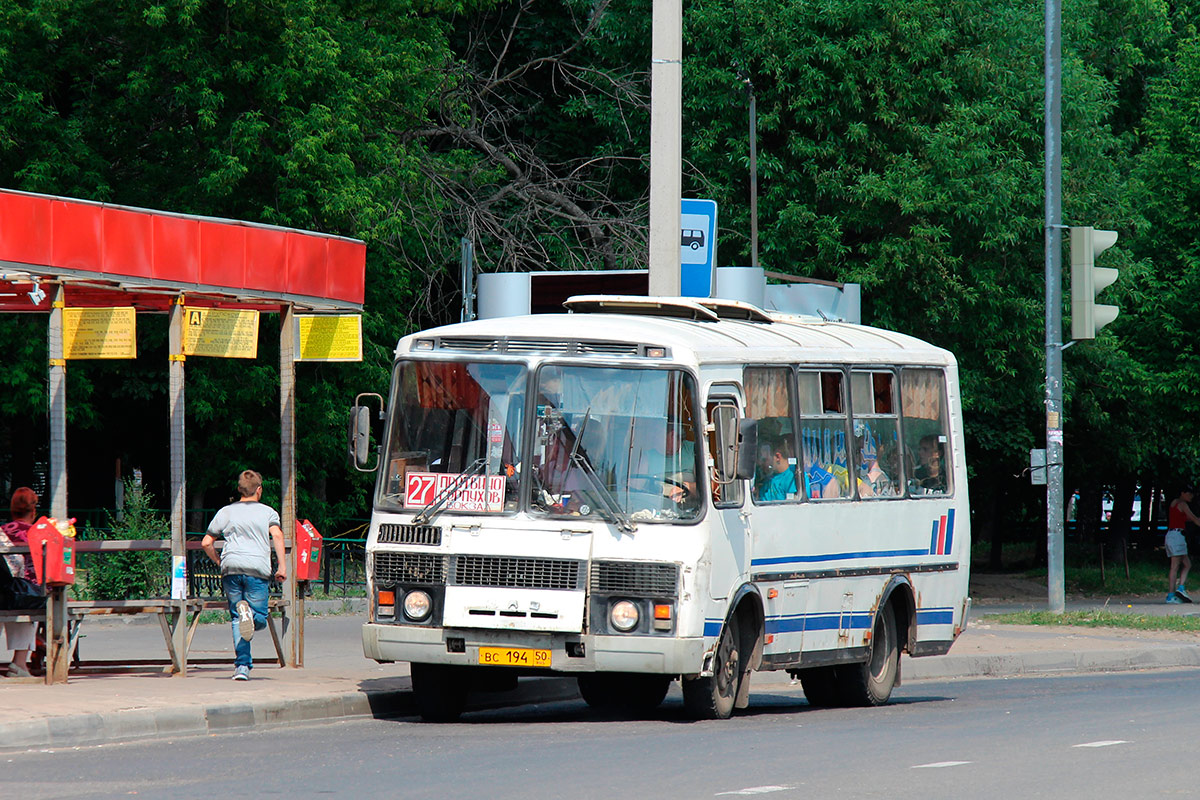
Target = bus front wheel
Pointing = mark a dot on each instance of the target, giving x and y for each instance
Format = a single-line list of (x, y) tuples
[(871, 683), (713, 697), (439, 691)]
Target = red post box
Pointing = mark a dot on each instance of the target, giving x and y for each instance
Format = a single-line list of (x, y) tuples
[(308, 551), (52, 547)]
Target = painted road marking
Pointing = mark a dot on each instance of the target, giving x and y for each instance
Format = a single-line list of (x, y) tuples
[(1101, 744), (756, 790), (940, 764)]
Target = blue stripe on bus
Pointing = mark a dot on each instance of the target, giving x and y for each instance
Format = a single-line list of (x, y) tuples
[(949, 531), (762, 562), (824, 621), (933, 538)]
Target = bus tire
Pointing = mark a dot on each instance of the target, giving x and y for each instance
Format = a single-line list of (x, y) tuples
[(713, 697), (624, 691), (439, 691), (820, 686), (871, 683)]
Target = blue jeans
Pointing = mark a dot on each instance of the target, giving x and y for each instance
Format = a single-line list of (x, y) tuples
[(254, 591)]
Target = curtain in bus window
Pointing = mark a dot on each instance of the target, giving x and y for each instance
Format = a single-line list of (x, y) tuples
[(926, 432), (769, 400), (823, 446)]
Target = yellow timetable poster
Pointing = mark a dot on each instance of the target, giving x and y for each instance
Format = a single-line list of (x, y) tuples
[(329, 337), (220, 332), (99, 333)]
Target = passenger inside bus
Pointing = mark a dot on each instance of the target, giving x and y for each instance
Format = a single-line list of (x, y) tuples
[(872, 480), (929, 475), (781, 484)]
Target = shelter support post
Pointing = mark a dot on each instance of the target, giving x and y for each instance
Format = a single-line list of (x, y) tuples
[(178, 485), (293, 634), (57, 653)]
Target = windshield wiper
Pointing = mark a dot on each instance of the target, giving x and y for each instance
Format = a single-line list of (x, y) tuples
[(425, 514), (584, 465)]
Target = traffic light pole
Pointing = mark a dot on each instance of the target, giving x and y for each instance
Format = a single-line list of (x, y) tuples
[(1054, 372)]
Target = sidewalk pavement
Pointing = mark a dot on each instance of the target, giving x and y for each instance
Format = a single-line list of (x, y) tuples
[(338, 682)]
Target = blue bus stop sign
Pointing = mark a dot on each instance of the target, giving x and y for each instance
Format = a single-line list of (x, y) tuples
[(697, 247)]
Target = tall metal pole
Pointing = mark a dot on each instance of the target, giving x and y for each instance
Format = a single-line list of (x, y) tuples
[(176, 371), (753, 175), (1053, 234), (666, 152)]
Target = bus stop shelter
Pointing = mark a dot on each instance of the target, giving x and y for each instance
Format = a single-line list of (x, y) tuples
[(59, 255)]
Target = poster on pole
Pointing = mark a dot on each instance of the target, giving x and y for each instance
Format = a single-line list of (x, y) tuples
[(99, 333), (328, 337), (220, 332)]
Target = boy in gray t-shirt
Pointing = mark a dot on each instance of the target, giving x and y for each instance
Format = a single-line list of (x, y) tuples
[(249, 529)]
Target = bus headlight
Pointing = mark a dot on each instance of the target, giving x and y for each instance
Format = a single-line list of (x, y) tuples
[(417, 605), (624, 616)]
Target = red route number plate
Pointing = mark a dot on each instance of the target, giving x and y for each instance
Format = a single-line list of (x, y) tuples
[(513, 657)]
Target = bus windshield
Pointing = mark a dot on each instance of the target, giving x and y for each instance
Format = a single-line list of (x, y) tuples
[(614, 442), (454, 439)]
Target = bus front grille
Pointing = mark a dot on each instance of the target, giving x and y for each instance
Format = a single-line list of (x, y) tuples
[(517, 573), (402, 568), (635, 578), (410, 534)]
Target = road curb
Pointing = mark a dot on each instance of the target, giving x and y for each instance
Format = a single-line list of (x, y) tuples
[(1018, 664), (82, 730)]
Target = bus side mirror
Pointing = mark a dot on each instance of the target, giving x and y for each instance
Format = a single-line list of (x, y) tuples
[(359, 439), (747, 448)]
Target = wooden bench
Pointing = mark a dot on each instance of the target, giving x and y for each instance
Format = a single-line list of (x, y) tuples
[(64, 649), (166, 610)]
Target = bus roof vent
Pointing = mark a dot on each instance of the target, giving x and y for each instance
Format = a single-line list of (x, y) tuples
[(677, 307), (735, 309)]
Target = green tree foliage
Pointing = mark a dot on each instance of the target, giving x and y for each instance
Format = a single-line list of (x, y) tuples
[(130, 575), (900, 147)]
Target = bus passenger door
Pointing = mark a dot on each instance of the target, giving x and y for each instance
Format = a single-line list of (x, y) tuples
[(729, 522)]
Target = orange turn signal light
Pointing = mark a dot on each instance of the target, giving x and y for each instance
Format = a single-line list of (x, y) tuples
[(387, 597), (662, 611)]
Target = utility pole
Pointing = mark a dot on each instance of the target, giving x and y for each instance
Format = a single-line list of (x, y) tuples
[(666, 156), (1053, 234), (753, 172)]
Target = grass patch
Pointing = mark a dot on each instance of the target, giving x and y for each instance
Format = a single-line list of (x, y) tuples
[(1101, 619)]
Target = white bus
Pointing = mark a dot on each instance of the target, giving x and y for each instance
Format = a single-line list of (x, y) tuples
[(646, 490)]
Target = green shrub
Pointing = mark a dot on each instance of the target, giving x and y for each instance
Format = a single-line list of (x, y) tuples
[(126, 575)]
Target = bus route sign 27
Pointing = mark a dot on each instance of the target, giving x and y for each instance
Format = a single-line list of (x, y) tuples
[(479, 493)]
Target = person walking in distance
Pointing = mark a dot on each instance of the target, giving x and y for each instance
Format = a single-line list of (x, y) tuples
[(249, 529), (1179, 513)]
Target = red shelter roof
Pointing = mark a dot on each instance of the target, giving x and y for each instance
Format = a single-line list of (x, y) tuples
[(111, 255)]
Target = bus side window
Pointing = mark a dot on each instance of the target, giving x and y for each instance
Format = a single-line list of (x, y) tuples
[(824, 460), (927, 451), (876, 454), (769, 401), (722, 438)]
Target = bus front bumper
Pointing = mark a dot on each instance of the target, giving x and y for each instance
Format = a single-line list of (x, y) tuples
[(569, 652)]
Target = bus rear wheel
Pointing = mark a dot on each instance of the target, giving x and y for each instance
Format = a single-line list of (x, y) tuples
[(439, 691), (871, 683), (714, 697), (820, 686)]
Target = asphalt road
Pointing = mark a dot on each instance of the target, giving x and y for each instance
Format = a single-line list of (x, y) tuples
[(1128, 735)]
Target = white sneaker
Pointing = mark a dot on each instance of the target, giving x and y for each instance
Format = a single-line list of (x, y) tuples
[(241, 673), (245, 621)]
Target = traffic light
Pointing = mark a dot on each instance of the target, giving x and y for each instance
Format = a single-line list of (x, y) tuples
[(1087, 280)]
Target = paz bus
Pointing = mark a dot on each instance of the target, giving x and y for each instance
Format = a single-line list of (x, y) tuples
[(644, 490)]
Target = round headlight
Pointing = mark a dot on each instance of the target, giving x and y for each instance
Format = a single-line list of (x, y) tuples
[(624, 616), (417, 605)]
